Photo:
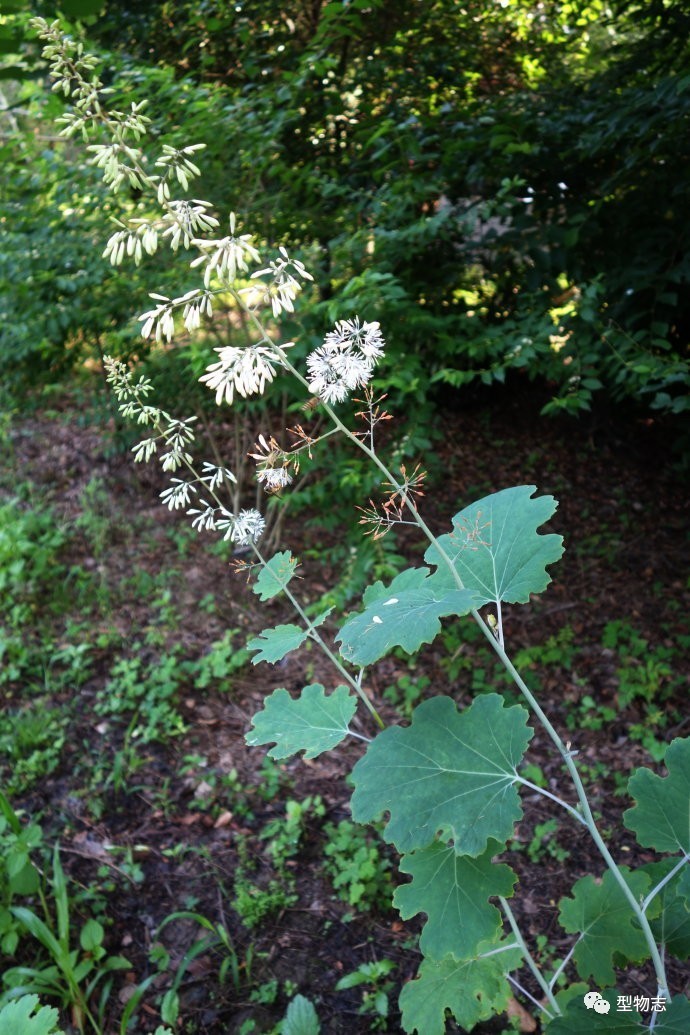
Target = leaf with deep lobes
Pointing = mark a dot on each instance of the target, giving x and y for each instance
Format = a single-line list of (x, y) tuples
[(406, 615), (448, 773), (313, 722), (495, 547)]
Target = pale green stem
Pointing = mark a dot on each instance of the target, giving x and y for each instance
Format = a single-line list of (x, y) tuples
[(314, 634), (564, 962), (669, 876), (566, 754), (528, 995), (554, 797), (529, 959)]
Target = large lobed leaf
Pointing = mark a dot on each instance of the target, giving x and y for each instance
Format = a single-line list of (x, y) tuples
[(495, 548), (675, 1019), (601, 913), (453, 891), (25, 1016), (406, 614), (312, 722), (449, 773), (578, 1019), (661, 817), (472, 989)]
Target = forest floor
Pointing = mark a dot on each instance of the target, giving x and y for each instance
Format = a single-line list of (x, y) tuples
[(158, 804)]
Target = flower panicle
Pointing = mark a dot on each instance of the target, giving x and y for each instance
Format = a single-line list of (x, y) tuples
[(246, 371), (284, 286), (273, 465), (346, 360)]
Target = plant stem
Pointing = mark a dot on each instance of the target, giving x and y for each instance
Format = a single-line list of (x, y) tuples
[(554, 797), (669, 876), (529, 960), (314, 634)]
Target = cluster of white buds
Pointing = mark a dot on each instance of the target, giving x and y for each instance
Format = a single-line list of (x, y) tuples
[(131, 243), (224, 257), (284, 286), (179, 162), (187, 219), (244, 371)]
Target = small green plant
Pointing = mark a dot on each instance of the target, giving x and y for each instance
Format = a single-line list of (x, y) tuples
[(377, 988), (301, 1018), (544, 844), (144, 696), (19, 875), (253, 903), (217, 667), (95, 520), (71, 974), (31, 743), (359, 874), (216, 941), (283, 835), (30, 544), (406, 691)]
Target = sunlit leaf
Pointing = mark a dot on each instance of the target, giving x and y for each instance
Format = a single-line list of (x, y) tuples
[(273, 644), (275, 575), (495, 548), (24, 1016), (405, 614)]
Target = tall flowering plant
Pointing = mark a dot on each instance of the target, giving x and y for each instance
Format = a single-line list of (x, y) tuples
[(450, 783)]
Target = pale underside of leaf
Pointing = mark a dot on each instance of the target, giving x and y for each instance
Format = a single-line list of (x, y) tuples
[(273, 644)]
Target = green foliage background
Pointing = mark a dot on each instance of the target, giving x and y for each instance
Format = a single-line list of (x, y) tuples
[(502, 185)]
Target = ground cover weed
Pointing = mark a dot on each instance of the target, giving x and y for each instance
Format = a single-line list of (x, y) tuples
[(31, 742), (74, 968), (373, 978), (452, 782), (359, 873)]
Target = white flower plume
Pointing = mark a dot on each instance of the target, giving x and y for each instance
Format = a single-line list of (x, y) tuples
[(345, 361)]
